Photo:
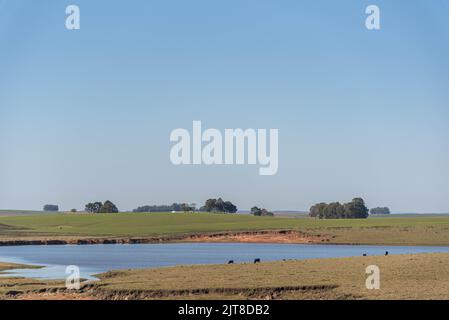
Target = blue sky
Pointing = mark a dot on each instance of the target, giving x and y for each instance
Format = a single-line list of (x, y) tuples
[(86, 115)]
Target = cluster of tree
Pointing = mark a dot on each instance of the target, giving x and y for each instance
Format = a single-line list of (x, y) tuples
[(218, 205), (188, 207), (51, 207), (98, 207), (380, 210), (261, 212), (355, 209), (167, 208)]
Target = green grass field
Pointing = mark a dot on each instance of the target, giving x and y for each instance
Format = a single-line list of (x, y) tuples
[(431, 230)]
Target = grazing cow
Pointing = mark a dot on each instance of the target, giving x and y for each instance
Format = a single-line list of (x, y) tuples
[(230, 261), (256, 260), (364, 254), (386, 253)]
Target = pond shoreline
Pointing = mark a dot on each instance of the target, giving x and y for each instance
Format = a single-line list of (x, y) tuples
[(268, 236), (263, 236)]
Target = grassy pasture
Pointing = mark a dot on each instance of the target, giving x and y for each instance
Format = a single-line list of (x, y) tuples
[(408, 230)]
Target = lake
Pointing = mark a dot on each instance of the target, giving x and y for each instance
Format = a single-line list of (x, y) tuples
[(94, 259)]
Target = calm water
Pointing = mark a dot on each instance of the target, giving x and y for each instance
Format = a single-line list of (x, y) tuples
[(94, 259)]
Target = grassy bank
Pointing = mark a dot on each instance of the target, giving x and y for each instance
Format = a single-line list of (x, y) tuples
[(420, 276), (416, 230), (12, 287)]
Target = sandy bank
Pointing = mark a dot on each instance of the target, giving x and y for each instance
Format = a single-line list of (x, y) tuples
[(277, 236)]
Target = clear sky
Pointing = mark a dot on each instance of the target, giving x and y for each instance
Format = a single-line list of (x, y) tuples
[(86, 115)]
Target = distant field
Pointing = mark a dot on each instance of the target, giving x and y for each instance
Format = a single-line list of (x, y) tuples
[(411, 215), (410, 230), (12, 213)]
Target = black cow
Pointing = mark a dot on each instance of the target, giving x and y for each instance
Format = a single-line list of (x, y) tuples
[(230, 261), (386, 253), (257, 260), (364, 254)]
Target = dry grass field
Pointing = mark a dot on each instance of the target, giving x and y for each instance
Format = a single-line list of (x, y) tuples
[(420, 276)]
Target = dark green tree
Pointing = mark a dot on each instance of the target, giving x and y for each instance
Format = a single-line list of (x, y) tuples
[(93, 207), (317, 210), (256, 211), (209, 205), (229, 207), (355, 209), (108, 207), (218, 205), (334, 210)]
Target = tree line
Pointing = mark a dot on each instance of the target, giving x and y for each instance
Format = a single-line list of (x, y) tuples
[(355, 209), (51, 207), (211, 205), (334, 210), (166, 208), (380, 210)]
